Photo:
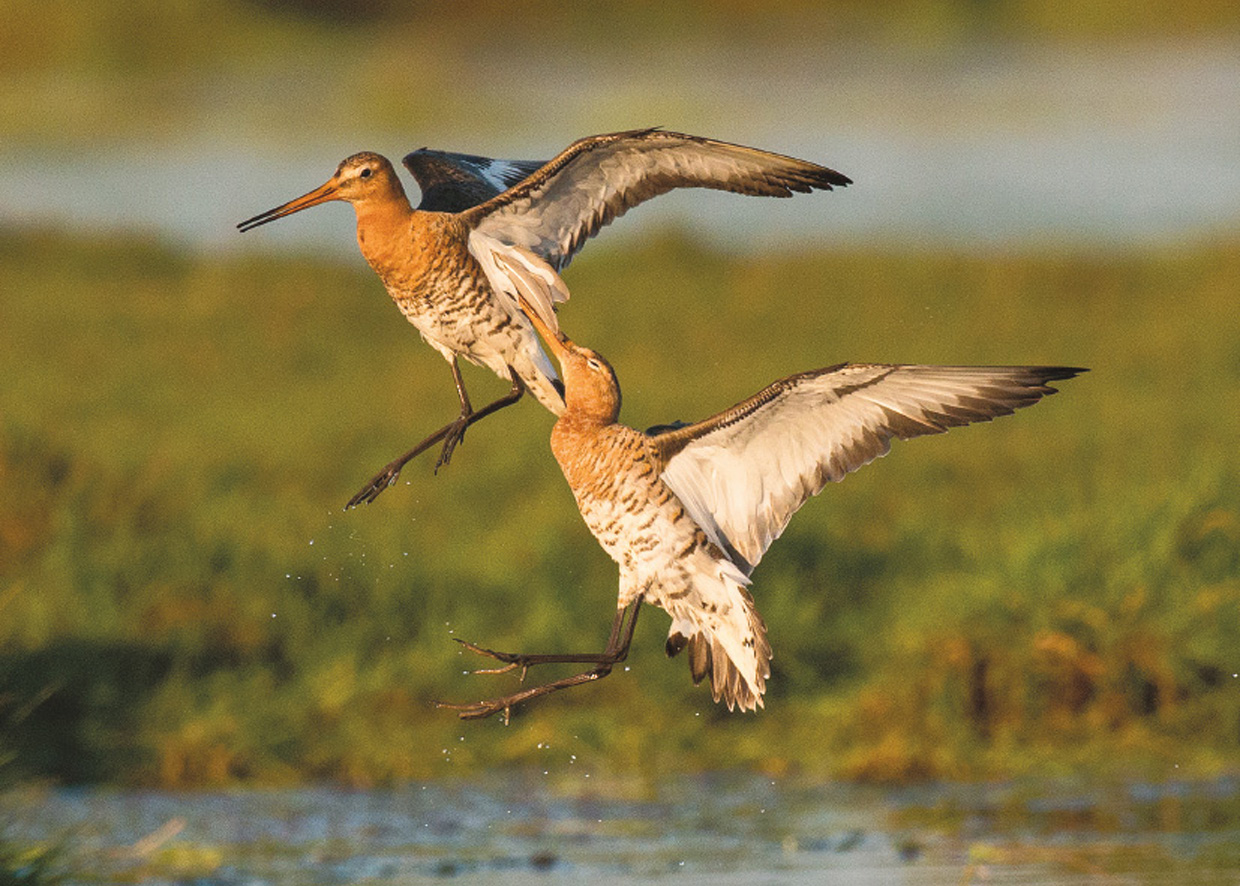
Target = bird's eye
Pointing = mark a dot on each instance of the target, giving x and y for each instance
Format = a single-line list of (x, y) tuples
[(365, 173)]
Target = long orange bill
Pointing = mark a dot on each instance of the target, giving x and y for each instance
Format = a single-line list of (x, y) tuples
[(319, 195), (556, 341)]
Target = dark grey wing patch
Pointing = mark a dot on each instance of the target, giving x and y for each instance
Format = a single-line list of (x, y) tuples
[(453, 182), (655, 430)]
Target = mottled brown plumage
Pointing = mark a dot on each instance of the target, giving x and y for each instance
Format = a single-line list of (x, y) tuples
[(688, 512), (426, 263), (488, 230)]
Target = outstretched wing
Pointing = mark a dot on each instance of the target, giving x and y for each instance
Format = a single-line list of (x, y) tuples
[(596, 179), (455, 182), (743, 473)]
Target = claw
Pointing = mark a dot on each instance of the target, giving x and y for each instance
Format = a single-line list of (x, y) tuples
[(455, 436), (479, 710), (451, 434), (512, 660), (617, 649), (378, 483)]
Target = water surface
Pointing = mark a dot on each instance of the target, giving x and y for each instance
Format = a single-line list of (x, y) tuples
[(534, 828), (983, 147)]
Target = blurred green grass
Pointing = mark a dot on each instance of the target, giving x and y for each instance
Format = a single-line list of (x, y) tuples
[(183, 602)]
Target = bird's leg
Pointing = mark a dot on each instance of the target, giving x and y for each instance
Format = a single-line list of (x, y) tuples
[(617, 650), (454, 429), (614, 652)]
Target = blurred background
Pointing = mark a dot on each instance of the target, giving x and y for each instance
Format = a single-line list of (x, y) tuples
[(1052, 600), (184, 409)]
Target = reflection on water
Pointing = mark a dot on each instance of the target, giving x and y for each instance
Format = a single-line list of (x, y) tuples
[(696, 830)]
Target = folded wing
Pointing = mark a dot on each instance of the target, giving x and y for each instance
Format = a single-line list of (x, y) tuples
[(742, 474), (555, 210)]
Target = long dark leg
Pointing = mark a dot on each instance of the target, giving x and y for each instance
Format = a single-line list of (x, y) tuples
[(451, 434), (456, 430), (617, 650)]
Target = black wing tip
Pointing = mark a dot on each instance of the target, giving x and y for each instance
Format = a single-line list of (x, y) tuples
[(836, 179), (817, 176), (820, 178), (1037, 379), (1057, 373)]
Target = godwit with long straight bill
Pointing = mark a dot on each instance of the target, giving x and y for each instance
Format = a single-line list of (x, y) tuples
[(688, 512), (486, 227)]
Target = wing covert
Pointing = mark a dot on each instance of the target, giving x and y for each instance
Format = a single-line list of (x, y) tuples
[(596, 179), (742, 474)]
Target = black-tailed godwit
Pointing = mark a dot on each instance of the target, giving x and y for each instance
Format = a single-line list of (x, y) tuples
[(687, 512), (488, 228)]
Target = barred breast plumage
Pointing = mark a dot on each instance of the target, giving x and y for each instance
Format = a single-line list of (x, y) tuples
[(490, 231), (687, 511)]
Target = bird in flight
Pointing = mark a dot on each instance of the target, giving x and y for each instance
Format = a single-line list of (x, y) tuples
[(486, 228), (687, 511)]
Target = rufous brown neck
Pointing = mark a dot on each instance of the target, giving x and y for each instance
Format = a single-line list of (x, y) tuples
[(384, 230)]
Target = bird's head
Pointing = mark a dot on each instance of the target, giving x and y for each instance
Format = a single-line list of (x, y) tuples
[(361, 178), (591, 389)]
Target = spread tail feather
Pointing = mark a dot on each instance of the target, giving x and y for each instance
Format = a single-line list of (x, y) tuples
[(725, 637)]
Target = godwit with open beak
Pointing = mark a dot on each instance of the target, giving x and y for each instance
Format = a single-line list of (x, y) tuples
[(454, 264), (688, 512)]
